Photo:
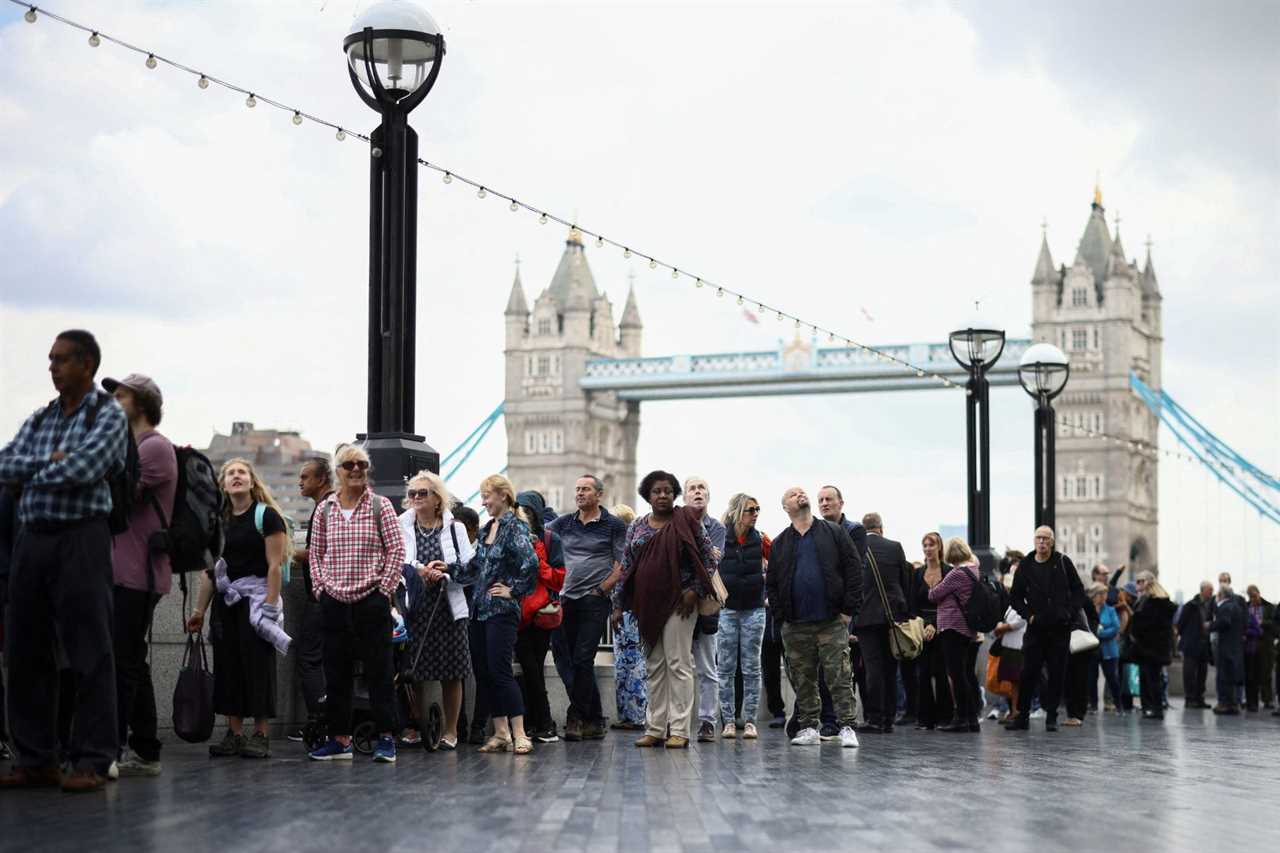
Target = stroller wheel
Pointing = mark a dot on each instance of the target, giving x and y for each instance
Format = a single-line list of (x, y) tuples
[(433, 727), (365, 737)]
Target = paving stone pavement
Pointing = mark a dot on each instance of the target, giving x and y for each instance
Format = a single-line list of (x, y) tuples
[(1117, 784)]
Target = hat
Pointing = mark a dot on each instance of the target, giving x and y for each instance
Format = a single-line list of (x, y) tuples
[(136, 383)]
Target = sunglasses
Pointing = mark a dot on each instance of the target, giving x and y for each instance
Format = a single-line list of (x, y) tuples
[(752, 510), (353, 464), (418, 493)]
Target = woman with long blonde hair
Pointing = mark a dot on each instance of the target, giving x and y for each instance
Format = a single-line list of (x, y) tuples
[(951, 595), (1151, 633), (244, 663), (741, 632)]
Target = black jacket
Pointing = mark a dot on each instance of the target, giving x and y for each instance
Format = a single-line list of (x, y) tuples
[(895, 572), (920, 604), (1193, 639), (1229, 620), (742, 570), (1050, 591), (837, 557), (1151, 630)]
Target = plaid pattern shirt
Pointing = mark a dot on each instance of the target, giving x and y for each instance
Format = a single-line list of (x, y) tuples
[(74, 487), (352, 558)]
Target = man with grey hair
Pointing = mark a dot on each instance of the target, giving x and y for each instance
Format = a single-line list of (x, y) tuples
[(593, 540), (1229, 623), (697, 494), (1193, 641)]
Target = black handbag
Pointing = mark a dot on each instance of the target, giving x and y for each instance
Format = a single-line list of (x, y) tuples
[(193, 694)]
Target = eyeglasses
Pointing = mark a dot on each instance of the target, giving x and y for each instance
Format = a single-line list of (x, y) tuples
[(353, 464), (752, 510), (414, 494)]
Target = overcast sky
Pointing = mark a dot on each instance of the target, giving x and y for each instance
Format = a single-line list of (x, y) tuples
[(892, 157)]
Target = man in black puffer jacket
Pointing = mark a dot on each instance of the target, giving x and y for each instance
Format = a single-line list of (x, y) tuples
[(1046, 592)]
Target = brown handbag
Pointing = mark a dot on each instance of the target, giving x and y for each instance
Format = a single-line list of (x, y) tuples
[(712, 604), (906, 638)]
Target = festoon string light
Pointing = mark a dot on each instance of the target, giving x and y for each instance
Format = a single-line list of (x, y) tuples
[(299, 116)]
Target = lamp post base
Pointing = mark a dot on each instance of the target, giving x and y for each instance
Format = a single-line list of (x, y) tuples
[(396, 456)]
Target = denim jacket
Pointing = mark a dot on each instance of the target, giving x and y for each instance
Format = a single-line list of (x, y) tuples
[(510, 560)]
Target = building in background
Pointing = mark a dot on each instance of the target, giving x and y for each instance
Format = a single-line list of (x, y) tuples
[(1104, 313), (276, 454)]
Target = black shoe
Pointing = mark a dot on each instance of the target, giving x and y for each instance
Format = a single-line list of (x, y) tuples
[(1018, 724), (955, 726), (792, 727), (1050, 724), (778, 722), (706, 732), (829, 731), (924, 727), (905, 720), (872, 729), (547, 735)]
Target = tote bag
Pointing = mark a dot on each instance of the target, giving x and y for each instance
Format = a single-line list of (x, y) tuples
[(193, 694)]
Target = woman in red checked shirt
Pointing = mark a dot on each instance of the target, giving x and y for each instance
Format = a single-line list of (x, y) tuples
[(357, 552)]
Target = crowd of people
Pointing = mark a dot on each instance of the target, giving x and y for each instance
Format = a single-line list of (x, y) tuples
[(705, 614)]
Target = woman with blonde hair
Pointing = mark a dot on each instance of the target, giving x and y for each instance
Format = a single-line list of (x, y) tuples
[(951, 595), (357, 552), (244, 662), (438, 612), (1151, 636), (933, 703), (741, 632), (504, 570)]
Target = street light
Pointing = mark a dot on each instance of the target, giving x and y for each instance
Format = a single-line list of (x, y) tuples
[(394, 50), (1043, 372), (976, 347)]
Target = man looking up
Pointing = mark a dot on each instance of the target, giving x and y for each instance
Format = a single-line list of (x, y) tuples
[(697, 494), (60, 580), (593, 540), (315, 481)]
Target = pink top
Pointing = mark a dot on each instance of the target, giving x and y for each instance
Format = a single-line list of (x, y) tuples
[(159, 476), (951, 595)]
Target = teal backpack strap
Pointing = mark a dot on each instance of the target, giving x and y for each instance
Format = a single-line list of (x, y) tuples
[(259, 513)]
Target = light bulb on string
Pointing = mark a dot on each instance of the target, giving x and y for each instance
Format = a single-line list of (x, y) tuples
[(31, 15), (94, 41), (340, 135), (203, 82), (251, 101), (675, 273), (514, 206), (448, 178), (599, 242), (919, 372), (297, 117), (797, 325), (480, 193), (653, 265), (626, 253), (151, 60), (697, 283), (740, 300), (719, 292), (542, 220), (779, 316)]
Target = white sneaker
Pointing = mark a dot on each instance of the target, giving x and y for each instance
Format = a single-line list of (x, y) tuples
[(1037, 714), (730, 731), (806, 737), (134, 765), (993, 714), (113, 772), (848, 739)]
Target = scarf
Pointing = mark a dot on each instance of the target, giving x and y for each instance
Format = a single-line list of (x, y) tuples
[(656, 588)]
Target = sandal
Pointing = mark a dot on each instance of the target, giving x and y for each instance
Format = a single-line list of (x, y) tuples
[(496, 744), (448, 745), (523, 746)]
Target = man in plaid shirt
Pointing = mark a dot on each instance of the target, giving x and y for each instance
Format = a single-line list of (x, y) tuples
[(60, 581)]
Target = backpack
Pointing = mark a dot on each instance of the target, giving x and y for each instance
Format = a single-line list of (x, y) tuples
[(123, 483), (986, 605), (193, 537), (259, 513)]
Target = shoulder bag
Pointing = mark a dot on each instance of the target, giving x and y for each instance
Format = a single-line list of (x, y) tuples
[(1082, 639), (906, 638), (193, 715)]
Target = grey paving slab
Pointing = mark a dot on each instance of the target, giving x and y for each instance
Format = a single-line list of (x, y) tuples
[(1152, 786)]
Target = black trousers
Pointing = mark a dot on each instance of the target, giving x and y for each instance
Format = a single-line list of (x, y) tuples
[(583, 626), (1080, 668), (60, 591), (881, 704), (361, 630), (771, 667), (933, 703), (493, 643), (955, 654), (308, 646), (911, 687), (1151, 686), (135, 694), (531, 651), (1195, 675), (1046, 648)]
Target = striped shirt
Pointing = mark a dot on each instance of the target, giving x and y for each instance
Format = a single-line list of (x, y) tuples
[(951, 595), (75, 487), (351, 558)]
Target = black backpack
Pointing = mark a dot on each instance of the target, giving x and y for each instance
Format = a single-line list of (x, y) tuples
[(986, 605), (122, 483), (193, 537)]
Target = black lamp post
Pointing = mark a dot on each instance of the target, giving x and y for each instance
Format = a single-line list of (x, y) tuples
[(1043, 372), (394, 51), (976, 347)]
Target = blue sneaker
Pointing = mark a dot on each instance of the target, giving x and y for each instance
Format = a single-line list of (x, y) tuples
[(331, 750), (386, 750)]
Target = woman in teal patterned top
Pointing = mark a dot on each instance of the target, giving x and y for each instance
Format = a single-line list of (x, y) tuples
[(503, 571)]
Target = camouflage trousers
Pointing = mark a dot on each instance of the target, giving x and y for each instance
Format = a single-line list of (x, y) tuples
[(810, 646)]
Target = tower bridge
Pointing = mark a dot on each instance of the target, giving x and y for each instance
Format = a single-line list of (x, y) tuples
[(575, 380)]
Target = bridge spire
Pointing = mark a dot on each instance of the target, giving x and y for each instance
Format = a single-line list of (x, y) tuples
[(516, 303), (1045, 270)]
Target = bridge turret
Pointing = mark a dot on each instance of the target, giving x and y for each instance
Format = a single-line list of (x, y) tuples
[(631, 328), (517, 314)]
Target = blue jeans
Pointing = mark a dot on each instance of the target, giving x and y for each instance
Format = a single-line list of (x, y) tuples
[(738, 641)]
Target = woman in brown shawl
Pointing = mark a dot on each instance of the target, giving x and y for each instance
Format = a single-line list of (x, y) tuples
[(664, 573)]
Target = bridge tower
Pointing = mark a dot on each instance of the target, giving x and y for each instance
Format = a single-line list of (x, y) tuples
[(556, 431), (1104, 312)]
